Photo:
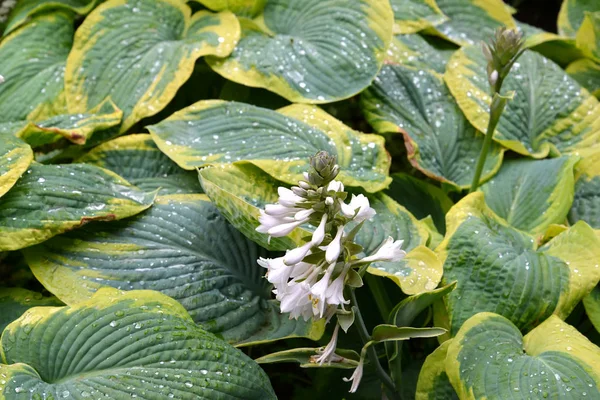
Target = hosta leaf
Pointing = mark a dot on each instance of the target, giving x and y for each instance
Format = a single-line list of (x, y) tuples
[(240, 190), (77, 128), (588, 36), (524, 185), (415, 15), (183, 248), (315, 51), (348, 359), (137, 159), (439, 140), (415, 51), (117, 345), (27, 8), (32, 61), (15, 157), (15, 301), (433, 383), (586, 203), (572, 13), (139, 53), (490, 358), (246, 8), (587, 73), (592, 307), (52, 199), (420, 198), (550, 112), (497, 266), (279, 142), (472, 21), (535, 36)]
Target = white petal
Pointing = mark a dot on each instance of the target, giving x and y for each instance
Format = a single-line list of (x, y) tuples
[(304, 214), (390, 251), (333, 249), (284, 229), (319, 233), (329, 351), (296, 255), (356, 377), (278, 210), (336, 186)]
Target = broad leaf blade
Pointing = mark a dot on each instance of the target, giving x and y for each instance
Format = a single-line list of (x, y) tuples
[(348, 359), (572, 14), (586, 203), (121, 344), (15, 301), (25, 9), (415, 15), (587, 73), (433, 383), (15, 157)]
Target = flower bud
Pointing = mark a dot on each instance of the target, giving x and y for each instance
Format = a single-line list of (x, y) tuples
[(501, 54), (323, 169)]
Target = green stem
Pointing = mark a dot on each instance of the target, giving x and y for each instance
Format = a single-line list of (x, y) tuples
[(496, 109), (371, 352), (383, 303)]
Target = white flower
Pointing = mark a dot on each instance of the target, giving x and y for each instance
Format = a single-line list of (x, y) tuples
[(284, 229), (389, 250), (336, 186), (358, 203), (277, 272), (356, 376), (303, 215), (288, 198), (318, 291), (335, 291), (277, 210), (297, 301), (334, 248), (319, 233), (327, 354), (296, 255)]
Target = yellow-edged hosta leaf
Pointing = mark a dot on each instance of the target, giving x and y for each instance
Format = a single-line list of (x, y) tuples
[(120, 345), (415, 15), (497, 266), (138, 53), (439, 140), (572, 14), (312, 51), (278, 142), (183, 248), (549, 114), (32, 62), (489, 358), (51, 199), (433, 383), (15, 157), (588, 36), (25, 9), (592, 307), (245, 8), (137, 159), (15, 301), (417, 52), (586, 204), (471, 21), (531, 194), (587, 73)]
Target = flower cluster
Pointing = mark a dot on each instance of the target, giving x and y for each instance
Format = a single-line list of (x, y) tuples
[(310, 280), (501, 54)]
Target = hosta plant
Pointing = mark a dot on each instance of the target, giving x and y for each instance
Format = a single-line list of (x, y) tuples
[(260, 199)]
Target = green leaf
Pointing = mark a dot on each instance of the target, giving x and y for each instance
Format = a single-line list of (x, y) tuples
[(418, 52), (319, 51), (592, 307), (588, 35), (587, 73), (120, 344), (348, 359), (501, 269), (572, 14), (15, 157), (385, 333), (415, 15), (52, 199), (183, 248), (586, 202), (404, 313), (550, 113), (137, 159), (439, 140), (420, 198), (245, 8), (489, 358), (15, 301), (524, 185), (25, 9), (32, 61), (433, 383), (278, 142), (472, 21), (139, 54)]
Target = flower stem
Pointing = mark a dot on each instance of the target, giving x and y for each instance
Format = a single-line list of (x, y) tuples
[(371, 352), (496, 109)]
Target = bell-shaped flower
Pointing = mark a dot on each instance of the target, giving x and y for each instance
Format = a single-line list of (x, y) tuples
[(284, 229), (334, 248), (336, 186), (318, 291), (297, 301), (358, 205), (278, 273), (296, 255), (288, 198), (327, 354), (356, 376), (390, 251), (277, 210), (319, 233), (335, 292)]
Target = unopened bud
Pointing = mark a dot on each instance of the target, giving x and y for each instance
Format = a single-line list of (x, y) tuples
[(323, 169), (501, 54)]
